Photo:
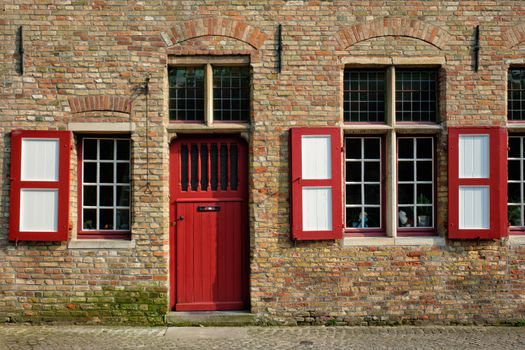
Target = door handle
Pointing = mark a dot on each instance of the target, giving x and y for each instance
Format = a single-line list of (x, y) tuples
[(174, 223)]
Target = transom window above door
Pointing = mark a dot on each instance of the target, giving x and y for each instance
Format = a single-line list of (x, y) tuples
[(218, 90)]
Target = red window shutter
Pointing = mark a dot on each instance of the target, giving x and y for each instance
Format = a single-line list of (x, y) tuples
[(37, 190), (465, 209), (316, 184)]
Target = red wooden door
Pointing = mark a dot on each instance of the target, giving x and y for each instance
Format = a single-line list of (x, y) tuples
[(209, 224)]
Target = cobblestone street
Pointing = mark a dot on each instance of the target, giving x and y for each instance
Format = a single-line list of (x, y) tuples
[(87, 337)]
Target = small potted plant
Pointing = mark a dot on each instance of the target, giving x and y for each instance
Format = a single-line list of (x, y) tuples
[(423, 220)]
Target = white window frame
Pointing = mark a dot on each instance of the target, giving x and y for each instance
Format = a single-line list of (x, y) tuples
[(362, 160), (114, 184), (391, 130), (521, 182), (415, 182)]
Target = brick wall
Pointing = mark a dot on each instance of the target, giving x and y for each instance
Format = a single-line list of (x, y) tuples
[(80, 48)]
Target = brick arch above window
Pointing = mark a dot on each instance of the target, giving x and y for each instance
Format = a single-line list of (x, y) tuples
[(392, 26), (97, 103), (513, 36), (219, 26)]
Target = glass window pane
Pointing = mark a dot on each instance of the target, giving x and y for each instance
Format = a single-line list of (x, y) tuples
[(372, 194), (231, 91), (123, 150), (424, 194), (90, 149), (90, 219), (107, 149), (405, 148), (106, 172), (516, 94), (364, 92), (406, 216), (424, 216), (405, 194), (353, 148), (514, 213), (106, 196), (186, 89), (514, 169), (122, 219), (353, 171), (372, 217), (405, 171), (106, 219), (424, 147), (354, 218), (424, 171), (90, 172), (353, 194), (416, 94), (514, 192), (514, 147), (372, 148), (123, 172), (89, 197), (372, 172), (122, 196)]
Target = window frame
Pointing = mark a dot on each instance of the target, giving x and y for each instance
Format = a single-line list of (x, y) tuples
[(208, 62), (391, 130), (390, 93), (420, 230), (518, 229), (376, 231), (516, 129), (512, 121), (97, 233)]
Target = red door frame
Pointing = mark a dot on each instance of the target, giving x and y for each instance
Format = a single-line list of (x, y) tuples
[(177, 195)]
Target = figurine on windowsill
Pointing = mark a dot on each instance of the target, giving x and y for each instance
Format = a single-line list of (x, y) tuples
[(363, 218), (404, 221)]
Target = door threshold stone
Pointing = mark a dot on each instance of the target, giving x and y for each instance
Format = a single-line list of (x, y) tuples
[(210, 318)]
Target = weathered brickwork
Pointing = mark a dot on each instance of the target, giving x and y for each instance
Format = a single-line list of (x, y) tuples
[(87, 60)]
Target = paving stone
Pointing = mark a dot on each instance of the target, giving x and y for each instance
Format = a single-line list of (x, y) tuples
[(85, 337)]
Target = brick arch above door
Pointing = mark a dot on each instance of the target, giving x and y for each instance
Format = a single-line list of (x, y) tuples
[(218, 26)]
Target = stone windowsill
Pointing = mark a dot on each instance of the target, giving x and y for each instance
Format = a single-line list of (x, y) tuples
[(393, 241), (100, 244), (517, 239), (103, 127)]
